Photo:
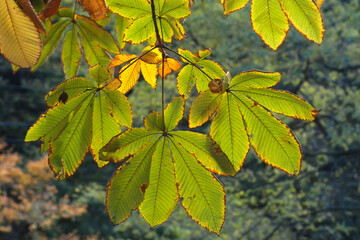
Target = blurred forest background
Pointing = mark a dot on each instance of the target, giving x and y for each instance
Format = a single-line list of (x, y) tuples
[(323, 202)]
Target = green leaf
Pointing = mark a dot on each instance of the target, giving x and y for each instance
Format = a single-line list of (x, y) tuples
[(120, 25), (175, 8), (97, 34), (140, 30), (129, 9), (203, 196), (272, 140), (161, 195), (94, 54), (68, 150), (68, 89), (154, 122), (198, 70), (306, 18), (269, 22), (186, 80), (255, 79), (281, 102), (174, 113), (103, 129), (228, 130), (49, 121), (119, 106), (203, 108), (52, 40), (84, 117), (71, 54), (126, 144), (126, 188), (206, 151), (100, 74)]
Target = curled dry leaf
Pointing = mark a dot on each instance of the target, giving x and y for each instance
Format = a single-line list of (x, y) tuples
[(96, 8), (50, 9)]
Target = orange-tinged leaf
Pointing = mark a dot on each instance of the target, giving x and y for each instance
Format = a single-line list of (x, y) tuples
[(120, 59), (26, 5), (319, 3), (269, 22), (306, 18), (169, 64), (151, 55), (149, 72), (96, 8), (50, 9), (129, 75), (20, 42), (114, 84)]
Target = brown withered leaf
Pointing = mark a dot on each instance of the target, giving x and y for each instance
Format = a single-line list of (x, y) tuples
[(96, 8), (28, 8), (50, 9)]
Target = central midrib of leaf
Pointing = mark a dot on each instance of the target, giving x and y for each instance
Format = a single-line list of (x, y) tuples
[(230, 124)]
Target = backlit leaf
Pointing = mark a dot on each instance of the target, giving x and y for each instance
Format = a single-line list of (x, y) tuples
[(140, 30), (203, 108), (68, 150), (254, 79), (161, 195), (272, 140), (154, 122), (20, 42), (228, 130), (233, 5), (129, 9), (206, 151), (203, 197), (281, 102), (28, 8), (104, 127), (306, 18), (269, 22), (121, 24), (149, 72), (71, 54), (173, 113), (129, 75), (125, 189), (126, 144), (52, 40)]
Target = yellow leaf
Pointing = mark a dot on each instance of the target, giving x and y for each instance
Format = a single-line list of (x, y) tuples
[(129, 75), (20, 41), (149, 72), (154, 56), (120, 59)]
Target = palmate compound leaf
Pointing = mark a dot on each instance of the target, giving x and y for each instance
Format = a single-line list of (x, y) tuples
[(167, 14), (20, 41), (270, 18), (146, 63), (94, 40), (239, 120), (166, 165), (198, 70), (82, 115)]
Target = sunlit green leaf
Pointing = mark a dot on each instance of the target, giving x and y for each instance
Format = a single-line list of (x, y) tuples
[(161, 195), (71, 54)]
